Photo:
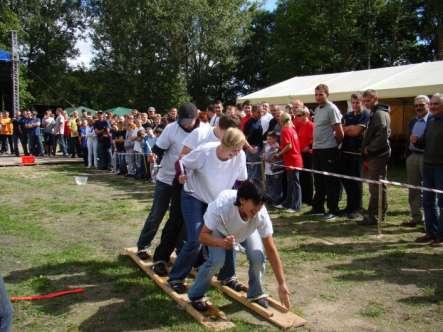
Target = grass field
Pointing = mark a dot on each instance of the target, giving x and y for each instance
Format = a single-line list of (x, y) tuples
[(55, 235)]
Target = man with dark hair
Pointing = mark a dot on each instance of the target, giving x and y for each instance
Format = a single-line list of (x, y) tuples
[(218, 110), (102, 130), (239, 217), (254, 135), (376, 152), (354, 125), (167, 189), (246, 110), (328, 134)]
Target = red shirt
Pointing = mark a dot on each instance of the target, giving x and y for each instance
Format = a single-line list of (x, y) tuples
[(243, 121), (67, 129), (305, 131), (292, 157)]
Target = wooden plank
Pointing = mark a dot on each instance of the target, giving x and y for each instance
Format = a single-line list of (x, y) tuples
[(276, 314), (214, 319)]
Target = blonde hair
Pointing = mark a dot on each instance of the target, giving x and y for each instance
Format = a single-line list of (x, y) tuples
[(233, 138), (285, 117)]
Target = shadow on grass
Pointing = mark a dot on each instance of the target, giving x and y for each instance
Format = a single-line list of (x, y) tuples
[(136, 303), (403, 268)]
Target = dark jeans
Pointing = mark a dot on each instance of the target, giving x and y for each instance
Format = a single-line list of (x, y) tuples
[(192, 211), (307, 180), (293, 198), (377, 169), (274, 187), (351, 165), (326, 187), (433, 178), (15, 139), (60, 139), (75, 146), (85, 154), (49, 140), (103, 154), (254, 169), (5, 140), (35, 144), (165, 196)]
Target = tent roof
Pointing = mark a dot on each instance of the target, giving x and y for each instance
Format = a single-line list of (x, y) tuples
[(5, 56), (390, 82), (119, 110)]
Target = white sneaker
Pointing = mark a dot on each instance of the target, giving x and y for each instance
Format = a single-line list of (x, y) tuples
[(279, 206), (291, 211)]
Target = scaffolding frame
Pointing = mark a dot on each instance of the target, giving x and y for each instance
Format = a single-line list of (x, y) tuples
[(15, 74)]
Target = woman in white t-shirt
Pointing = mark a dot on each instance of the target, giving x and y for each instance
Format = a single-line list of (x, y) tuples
[(239, 216), (211, 168)]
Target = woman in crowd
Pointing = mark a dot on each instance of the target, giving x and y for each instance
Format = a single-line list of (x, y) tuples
[(305, 130), (290, 153), (131, 137), (91, 144), (211, 168)]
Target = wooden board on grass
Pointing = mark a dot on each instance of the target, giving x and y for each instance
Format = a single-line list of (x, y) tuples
[(214, 319), (276, 313)]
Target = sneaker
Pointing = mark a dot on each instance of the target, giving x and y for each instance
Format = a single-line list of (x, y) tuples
[(235, 285), (279, 206), (262, 301), (200, 305), (329, 217), (160, 269), (424, 239), (143, 254), (178, 287), (291, 211)]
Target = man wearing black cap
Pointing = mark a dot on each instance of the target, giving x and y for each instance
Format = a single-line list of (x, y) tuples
[(167, 189)]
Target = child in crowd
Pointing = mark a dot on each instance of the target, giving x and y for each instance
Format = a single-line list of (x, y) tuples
[(139, 146), (118, 137), (83, 141), (274, 169)]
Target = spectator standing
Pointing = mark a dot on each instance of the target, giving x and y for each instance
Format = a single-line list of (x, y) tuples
[(274, 169), (130, 138), (102, 130), (305, 130), (218, 110), (16, 133), (247, 110), (34, 135), (328, 134), (6, 130), (91, 143), (376, 151), (433, 172), (172, 115), (83, 140), (414, 160), (59, 131), (118, 139), (73, 137), (254, 136), (48, 126), (274, 123), (290, 152), (266, 117), (354, 125)]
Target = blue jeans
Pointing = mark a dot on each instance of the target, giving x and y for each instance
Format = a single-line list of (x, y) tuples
[(293, 198), (192, 211), (5, 309), (433, 178), (274, 187), (60, 139), (217, 256), (254, 170)]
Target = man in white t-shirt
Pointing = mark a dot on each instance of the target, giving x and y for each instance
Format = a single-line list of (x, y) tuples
[(218, 110), (239, 217), (266, 117), (167, 190)]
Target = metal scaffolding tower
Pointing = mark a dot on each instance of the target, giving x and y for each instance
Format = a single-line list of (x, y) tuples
[(15, 73)]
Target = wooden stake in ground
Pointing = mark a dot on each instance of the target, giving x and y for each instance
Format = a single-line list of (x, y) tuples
[(214, 319)]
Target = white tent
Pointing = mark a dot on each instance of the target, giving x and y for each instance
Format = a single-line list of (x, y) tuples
[(390, 82)]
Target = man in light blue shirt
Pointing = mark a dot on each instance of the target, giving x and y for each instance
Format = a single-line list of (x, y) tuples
[(414, 161)]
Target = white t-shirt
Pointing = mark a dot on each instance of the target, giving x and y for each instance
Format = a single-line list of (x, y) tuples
[(199, 136), (264, 120), (214, 120), (209, 175), (171, 140), (222, 215)]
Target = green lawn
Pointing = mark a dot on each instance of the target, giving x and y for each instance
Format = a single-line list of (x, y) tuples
[(55, 235)]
